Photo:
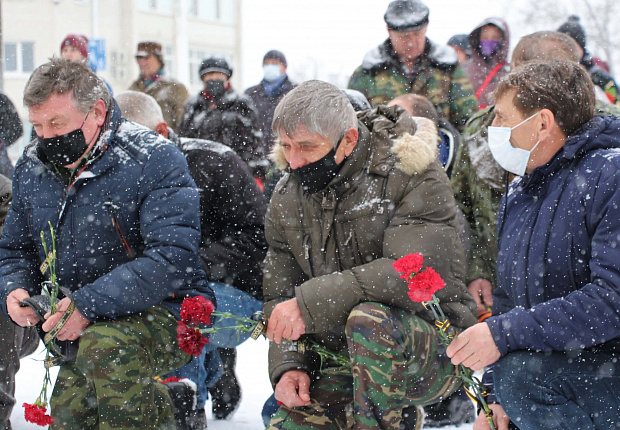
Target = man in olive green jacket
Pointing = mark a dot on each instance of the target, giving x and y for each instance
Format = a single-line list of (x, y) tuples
[(359, 193)]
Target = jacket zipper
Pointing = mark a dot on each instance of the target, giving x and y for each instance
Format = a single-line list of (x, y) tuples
[(307, 249)]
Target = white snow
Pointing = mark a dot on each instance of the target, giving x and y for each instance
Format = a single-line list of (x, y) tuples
[(251, 371)]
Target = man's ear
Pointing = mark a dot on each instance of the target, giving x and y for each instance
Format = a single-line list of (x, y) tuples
[(546, 124), (349, 140), (99, 111), (162, 128)]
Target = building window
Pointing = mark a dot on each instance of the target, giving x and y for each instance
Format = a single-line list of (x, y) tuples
[(169, 59), (159, 6), (213, 10), (19, 57), (118, 65)]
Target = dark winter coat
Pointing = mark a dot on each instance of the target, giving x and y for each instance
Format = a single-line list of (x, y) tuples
[(478, 67), (266, 105), (11, 127), (558, 228), (334, 249), (232, 212), (602, 79), (127, 229), (232, 120)]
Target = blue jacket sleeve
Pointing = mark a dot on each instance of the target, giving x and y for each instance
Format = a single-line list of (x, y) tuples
[(170, 230), (589, 315), (19, 261)]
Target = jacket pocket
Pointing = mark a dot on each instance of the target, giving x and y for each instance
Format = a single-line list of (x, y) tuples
[(119, 232)]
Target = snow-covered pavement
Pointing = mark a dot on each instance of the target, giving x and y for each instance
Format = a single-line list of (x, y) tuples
[(251, 370)]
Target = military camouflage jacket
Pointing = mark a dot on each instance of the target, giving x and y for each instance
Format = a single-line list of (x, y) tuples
[(479, 183), (436, 75), (170, 96), (334, 249)]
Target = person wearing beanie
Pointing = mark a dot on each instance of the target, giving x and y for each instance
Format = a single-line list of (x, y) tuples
[(169, 93), (408, 62), (605, 85), (220, 114), (489, 43), (460, 43), (75, 47), (267, 94)]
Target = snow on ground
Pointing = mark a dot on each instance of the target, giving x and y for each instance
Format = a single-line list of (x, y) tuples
[(251, 371)]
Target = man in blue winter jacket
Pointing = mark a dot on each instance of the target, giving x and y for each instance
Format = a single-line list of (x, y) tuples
[(126, 221), (555, 331)]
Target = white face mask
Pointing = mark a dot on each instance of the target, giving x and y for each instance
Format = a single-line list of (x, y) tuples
[(272, 72), (510, 158)]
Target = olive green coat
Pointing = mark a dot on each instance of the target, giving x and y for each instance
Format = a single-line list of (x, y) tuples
[(334, 249), (170, 95)]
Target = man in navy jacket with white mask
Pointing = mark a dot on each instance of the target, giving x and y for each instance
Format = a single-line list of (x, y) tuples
[(554, 337)]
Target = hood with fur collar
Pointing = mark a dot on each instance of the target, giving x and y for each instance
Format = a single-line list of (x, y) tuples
[(413, 140)]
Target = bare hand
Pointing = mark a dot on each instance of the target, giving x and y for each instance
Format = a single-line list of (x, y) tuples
[(293, 389), (74, 326), (23, 316), (475, 348), (285, 322), (482, 292), (500, 419)]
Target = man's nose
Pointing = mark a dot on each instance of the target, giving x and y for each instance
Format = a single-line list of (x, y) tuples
[(295, 159)]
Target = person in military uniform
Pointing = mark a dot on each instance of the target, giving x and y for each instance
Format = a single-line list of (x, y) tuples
[(408, 62), (360, 191), (169, 93), (479, 182)]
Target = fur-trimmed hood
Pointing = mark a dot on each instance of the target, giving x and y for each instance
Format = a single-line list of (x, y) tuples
[(413, 140)]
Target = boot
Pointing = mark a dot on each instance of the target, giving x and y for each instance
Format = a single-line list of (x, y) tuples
[(412, 418), (184, 399), (226, 392), (454, 410)]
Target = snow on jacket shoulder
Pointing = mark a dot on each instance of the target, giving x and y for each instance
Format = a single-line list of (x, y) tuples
[(334, 249), (558, 276), (127, 230)]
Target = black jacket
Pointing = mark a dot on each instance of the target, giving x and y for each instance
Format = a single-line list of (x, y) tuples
[(232, 214), (266, 105), (230, 119), (11, 127)]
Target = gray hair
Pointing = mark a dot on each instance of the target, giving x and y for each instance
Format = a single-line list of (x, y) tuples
[(140, 108), (61, 76), (320, 107)]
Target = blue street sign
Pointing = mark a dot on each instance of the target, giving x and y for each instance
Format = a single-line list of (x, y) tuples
[(96, 53)]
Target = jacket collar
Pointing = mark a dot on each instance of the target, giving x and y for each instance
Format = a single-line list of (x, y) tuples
[(383, 56)]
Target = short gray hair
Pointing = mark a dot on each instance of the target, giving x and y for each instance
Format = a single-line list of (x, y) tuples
[(61, 76), (140, 108), (320, 107)]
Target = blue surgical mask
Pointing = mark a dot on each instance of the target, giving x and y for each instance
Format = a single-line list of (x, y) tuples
[(510, 158), (272, 72)]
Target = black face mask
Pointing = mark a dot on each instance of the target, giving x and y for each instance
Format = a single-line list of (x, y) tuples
[(316, 176), (65, 149), (215, 88)]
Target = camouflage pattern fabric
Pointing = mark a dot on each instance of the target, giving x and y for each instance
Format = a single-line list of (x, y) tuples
[(479, 183), (397, 361), (111, 383), (450, 91)]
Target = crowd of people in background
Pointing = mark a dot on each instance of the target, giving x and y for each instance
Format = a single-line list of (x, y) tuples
[(297, 197)]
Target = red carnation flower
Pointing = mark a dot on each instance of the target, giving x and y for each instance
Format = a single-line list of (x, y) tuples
[(197, 310), (190, 339), (37, 415), (423, 285), (408, 265)]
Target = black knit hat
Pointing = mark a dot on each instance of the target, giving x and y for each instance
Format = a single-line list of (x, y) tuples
[(274, 54), (406, 15), (573, 28), (215, 64)]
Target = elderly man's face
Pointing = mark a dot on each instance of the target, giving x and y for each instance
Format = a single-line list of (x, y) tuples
[(408, 45), (58, 115), (148, 65), (304, 148)]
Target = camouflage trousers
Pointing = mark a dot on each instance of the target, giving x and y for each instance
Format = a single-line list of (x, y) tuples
[(111, 383), (397, 360)]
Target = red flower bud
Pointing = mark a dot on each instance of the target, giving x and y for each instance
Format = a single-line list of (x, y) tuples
[(408, 265), (424, 284), (190, 339), (36, 414), (196, 310)]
